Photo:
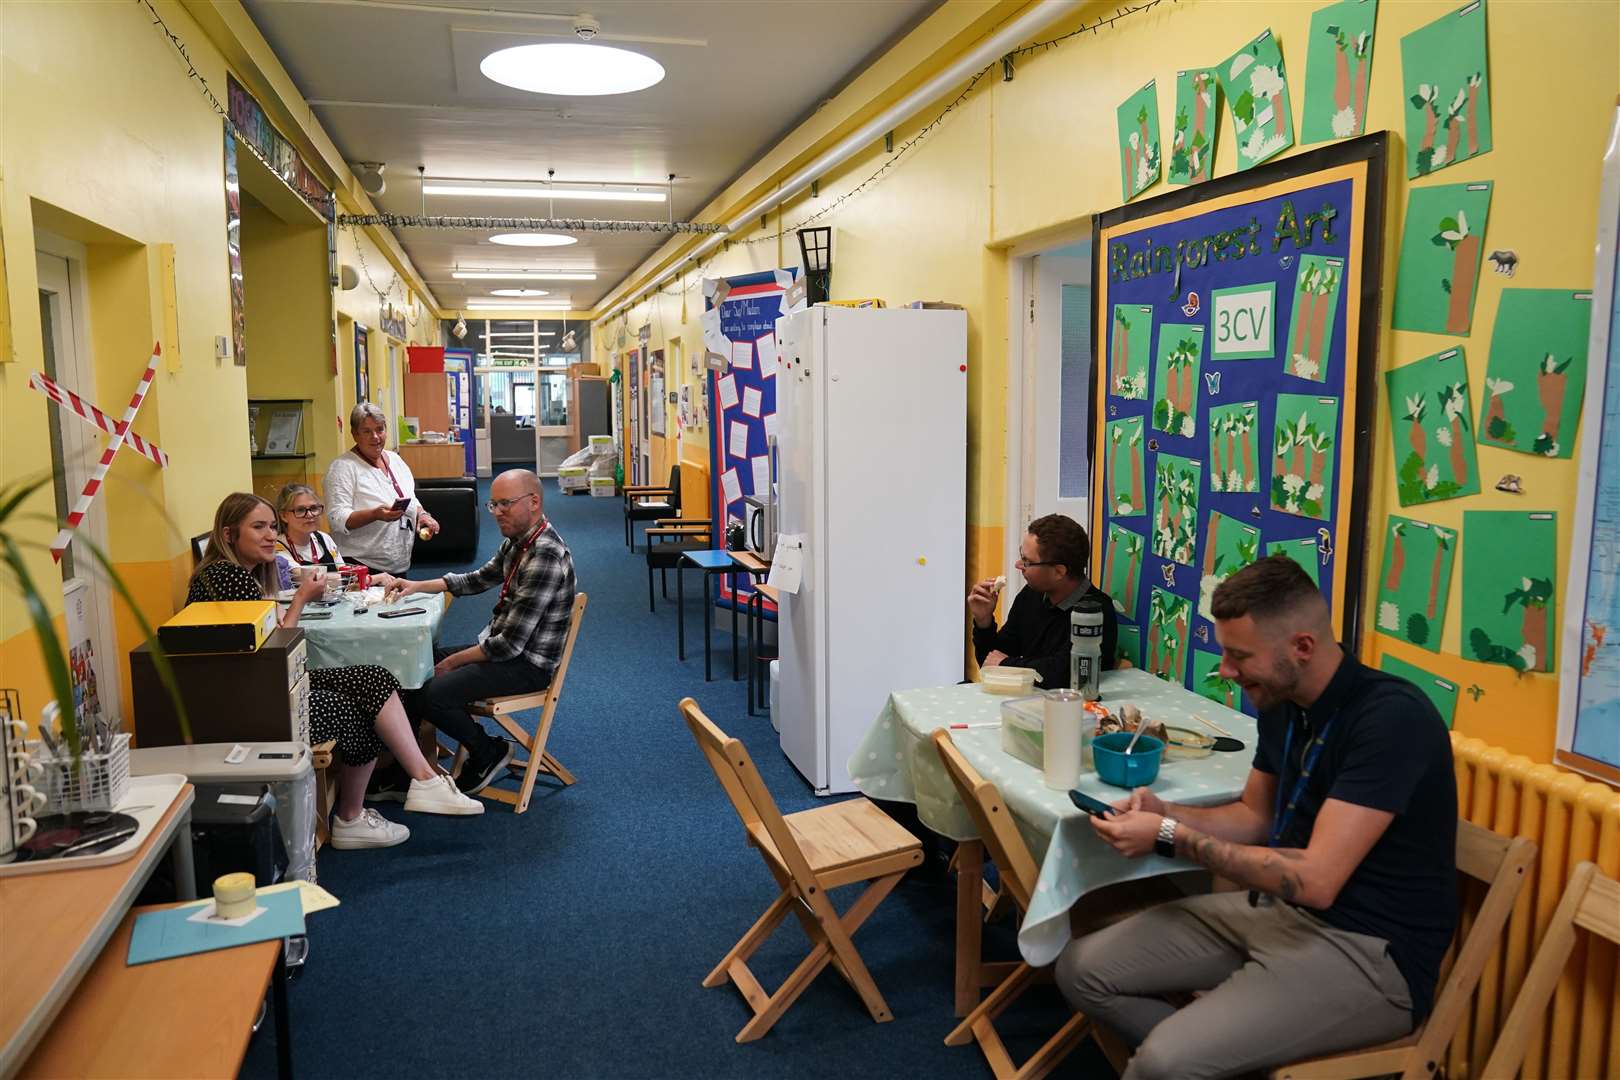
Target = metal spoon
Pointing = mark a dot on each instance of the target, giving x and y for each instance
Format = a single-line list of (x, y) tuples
[(1140, 727)]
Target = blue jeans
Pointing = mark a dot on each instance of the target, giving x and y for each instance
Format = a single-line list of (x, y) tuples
[(442, 700)]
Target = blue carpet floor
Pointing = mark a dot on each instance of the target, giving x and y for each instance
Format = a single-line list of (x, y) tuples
[(571, 940)]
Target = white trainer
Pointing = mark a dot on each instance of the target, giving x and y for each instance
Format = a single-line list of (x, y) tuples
[(440, 796), (369, 830)]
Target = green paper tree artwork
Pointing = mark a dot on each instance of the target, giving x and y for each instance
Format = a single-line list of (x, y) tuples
[(1432, 433), (1169, 619), (1416, 581), (1303, 551), (1535, 379), (1509, 607), (1304, 447), (1128, 645), (1441, 248), (1139, 158), (1192, 146), (1338, 69), (1441, 692), (1176, 482), (1176, 372), (1132, 331), (1310, 330), (1446, 86), (1127, 495), (1122, 568), (1208, 682), (1229, 546), (1232, 465), (1256, 89)]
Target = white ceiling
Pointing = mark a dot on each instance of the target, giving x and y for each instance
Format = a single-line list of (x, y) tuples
[(397, 81)]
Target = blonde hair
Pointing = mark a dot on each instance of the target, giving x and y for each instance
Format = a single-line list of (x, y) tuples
[(233, 510), (285, 498)]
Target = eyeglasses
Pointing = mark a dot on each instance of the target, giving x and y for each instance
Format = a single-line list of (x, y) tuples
[(306, 511), (497, 506), (1026, 563)]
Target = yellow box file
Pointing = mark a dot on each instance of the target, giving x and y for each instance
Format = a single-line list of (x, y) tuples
[(219, 626)]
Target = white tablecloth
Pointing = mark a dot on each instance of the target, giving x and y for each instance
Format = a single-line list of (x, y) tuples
[(896, 761), (404, 646)]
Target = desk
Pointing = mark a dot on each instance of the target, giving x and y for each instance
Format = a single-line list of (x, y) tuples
[(896, 761), (403, 646), (188, 1016), (710, 562), (434, 460), (55, 924)]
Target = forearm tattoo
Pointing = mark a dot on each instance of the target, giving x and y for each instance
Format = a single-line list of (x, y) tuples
[(1278, 871)]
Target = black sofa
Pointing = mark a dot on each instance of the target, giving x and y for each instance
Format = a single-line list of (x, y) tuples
[(453, 502)]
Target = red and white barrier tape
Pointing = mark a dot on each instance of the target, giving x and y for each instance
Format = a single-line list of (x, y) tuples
[(116, 443), (87, 412)]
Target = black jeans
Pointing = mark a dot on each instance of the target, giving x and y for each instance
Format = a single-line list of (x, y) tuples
[(442, 700)]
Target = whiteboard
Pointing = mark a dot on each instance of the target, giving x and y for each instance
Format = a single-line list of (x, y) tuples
[(1589, 683)]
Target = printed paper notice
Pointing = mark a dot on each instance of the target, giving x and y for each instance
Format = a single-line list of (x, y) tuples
[(762, 476), (742, 355), (770, 426), (752, 400), (739, 439), (767, 356), (728, 392), (787, 564), (713, 339), (731, 485)]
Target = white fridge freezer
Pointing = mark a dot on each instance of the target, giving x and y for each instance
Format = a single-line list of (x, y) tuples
[(872, 477)]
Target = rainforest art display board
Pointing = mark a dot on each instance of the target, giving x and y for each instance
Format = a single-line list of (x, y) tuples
[(1239, 318)]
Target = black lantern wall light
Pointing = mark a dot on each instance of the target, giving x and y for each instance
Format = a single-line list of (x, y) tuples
[(815, 245)]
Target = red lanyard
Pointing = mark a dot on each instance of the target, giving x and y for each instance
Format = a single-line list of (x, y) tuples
[(517, 559), (390, 472), (314, 547)]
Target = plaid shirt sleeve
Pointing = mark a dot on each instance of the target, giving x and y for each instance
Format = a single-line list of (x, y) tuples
[(533, 622), (484, 578)]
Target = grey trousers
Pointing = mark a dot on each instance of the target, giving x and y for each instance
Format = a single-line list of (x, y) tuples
[(1279, 985)]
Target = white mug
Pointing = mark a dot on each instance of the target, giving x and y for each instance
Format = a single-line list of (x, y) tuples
[(20, 801)]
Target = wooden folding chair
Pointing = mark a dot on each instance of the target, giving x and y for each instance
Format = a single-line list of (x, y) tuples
[(1502, 865), (502, 710), (1018, 876), (1591, 902), (320, 759), (808, 853)]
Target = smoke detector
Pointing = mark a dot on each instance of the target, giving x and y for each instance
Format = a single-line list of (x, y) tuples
[(460, 329), (586, 27)]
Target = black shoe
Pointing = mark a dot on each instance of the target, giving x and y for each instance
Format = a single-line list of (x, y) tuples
[(478, 770), (388, 784)]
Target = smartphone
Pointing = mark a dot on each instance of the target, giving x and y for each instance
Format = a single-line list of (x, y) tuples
[(402, 504), (275, 754), (307, 615), (401, 613), (1094, 807)]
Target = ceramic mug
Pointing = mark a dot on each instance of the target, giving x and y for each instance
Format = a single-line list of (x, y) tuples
[(20, 801)]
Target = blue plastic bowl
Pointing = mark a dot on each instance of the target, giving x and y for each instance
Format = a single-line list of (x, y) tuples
[(1136, 769)]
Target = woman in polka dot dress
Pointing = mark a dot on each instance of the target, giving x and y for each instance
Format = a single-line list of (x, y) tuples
[(357, 706)]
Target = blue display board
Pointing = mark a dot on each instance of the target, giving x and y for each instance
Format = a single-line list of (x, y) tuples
[(740, 316), (1235, 344)]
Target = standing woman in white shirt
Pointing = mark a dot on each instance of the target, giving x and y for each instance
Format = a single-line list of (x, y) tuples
[(371, 498)]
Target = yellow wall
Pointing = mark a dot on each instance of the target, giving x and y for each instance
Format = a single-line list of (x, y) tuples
[(1019, 159)]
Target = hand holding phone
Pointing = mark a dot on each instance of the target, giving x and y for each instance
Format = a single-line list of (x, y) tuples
[(1094, 807)]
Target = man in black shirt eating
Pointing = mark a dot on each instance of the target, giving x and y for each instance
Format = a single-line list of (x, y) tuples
[(1344, 842), (1053, 558)]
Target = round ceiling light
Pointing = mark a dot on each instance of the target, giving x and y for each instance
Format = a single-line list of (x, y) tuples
[(533, 239), (573, 69), (518, 292)]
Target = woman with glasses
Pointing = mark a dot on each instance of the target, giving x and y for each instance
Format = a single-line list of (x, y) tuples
[(358, 706), (298, 508)]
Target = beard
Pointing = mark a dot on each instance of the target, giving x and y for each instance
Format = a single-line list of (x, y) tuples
[(1278, 685)]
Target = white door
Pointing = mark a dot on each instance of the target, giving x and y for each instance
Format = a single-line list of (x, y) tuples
[(75, 449), (1058, 387)]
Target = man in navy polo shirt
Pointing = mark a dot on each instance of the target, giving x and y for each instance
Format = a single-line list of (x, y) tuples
[(1343, 845)]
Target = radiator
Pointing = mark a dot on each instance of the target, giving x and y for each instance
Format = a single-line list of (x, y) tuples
[(1571, 820)]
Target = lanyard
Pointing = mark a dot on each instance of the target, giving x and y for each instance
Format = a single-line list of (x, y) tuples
[(385, 468), (517, 559), (1282, 816)]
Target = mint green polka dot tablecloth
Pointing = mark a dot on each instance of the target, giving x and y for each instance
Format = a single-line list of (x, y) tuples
[(404, 646), (896, 761)]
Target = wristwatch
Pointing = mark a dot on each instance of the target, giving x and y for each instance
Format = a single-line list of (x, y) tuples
[(1165, 843)]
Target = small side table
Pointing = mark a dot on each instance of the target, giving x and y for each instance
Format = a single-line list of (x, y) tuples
[(756, 639), (710, 562)]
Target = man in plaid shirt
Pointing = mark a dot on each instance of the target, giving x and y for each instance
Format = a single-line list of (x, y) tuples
[(517, 653)]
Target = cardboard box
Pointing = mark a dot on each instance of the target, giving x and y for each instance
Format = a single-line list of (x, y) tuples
[(573, 477), (603, 487), (576, 370)]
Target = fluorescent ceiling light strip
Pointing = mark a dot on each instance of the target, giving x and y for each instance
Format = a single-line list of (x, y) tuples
[(519, 333), (522, 275), (512, 305), (507, 191)]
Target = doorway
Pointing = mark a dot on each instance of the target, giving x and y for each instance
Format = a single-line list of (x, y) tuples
[(87, 601), (1049, 380)]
